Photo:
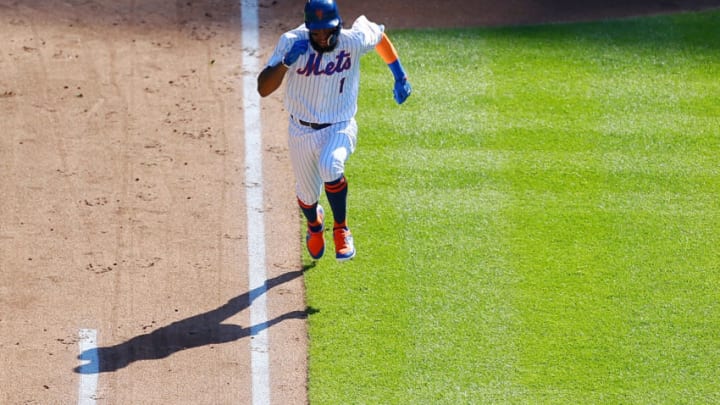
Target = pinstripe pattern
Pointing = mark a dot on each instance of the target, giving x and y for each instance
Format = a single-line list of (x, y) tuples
[(326, 90), (323, 88), (319, 156)]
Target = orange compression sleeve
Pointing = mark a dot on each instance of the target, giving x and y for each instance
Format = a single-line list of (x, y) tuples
[(386, 50)]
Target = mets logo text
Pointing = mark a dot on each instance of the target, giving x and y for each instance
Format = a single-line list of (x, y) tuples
[(341, 63)]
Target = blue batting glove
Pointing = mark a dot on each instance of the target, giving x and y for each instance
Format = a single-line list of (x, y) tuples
[(402, 90), (298, 48)]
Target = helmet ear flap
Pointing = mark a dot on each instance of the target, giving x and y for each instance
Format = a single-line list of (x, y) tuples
[(333, 40)]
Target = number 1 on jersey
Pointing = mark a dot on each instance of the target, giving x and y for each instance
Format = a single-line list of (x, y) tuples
[(342, 84)]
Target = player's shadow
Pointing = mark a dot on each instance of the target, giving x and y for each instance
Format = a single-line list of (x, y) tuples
[(199, 330)]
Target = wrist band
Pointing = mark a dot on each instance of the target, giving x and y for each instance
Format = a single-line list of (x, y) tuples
[(397, 70)]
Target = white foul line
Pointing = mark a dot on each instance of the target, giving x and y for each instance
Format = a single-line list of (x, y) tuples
[(88, 371), (254, 199)]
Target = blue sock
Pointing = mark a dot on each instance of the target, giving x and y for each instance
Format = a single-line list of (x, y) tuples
[(310, 212), (336, 192)]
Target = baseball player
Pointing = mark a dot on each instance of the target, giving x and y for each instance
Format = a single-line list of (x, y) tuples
[(321, 61)]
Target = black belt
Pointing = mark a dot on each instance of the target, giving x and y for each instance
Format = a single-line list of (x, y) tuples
[(313, 125)]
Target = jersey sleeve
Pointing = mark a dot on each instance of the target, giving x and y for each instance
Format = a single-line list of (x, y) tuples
[(368, 32)]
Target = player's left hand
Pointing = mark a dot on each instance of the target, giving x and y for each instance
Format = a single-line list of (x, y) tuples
[(402, 90)]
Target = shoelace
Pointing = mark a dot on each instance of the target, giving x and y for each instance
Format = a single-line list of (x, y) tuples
[(340, 236)]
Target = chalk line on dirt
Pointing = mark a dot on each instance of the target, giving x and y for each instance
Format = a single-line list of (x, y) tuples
[(89, 371), (259, 346)]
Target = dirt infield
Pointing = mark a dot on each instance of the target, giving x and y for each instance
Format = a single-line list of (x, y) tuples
[(123, 207), (122, 194)]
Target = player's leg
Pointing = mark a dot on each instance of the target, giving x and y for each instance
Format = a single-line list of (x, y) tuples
[(336, 192), (340, 145), (304, 159), (315, 237)]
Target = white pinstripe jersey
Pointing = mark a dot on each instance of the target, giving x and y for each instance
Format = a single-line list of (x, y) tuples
[(325, 89)]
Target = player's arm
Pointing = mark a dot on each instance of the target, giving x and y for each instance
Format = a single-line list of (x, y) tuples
[(389, 55), (272, 76), (270, 79)]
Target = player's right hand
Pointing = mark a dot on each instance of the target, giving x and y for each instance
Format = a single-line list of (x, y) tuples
[(298, 48), (402, 90)]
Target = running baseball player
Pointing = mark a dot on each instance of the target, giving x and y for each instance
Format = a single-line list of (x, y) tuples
[(321, 60)]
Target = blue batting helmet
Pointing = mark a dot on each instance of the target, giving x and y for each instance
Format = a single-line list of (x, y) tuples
[(322, 14)]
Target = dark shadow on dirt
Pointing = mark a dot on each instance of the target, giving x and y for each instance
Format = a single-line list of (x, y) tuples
[(199, 330)]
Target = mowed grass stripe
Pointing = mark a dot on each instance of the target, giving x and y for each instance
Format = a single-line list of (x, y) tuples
[(595, 273), (540, 223)]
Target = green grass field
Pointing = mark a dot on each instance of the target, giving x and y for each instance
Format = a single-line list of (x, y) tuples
[(539, 223)]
